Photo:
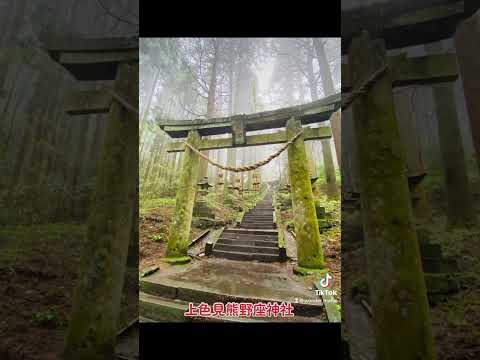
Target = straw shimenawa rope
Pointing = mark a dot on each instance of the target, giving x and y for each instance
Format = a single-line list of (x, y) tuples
[(122, 101), (364, 87), (249, 167)]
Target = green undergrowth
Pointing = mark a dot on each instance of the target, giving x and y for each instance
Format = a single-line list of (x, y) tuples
[(321, 175), (46, 243), (228, 206), (224, 205), (157, 238), (49, 318), (462, 244), (282, 201), (332, 207), (148, 205)]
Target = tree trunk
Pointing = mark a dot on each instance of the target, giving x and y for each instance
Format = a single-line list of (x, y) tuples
[(325, 73), (210, 105), (328, 89), (146, 110)]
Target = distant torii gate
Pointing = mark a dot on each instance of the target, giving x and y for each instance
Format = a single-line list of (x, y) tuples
[(309, 247), (93, 325)]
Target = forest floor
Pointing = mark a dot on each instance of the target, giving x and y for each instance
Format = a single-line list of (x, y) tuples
[(155, 219), (39, 266), (456, 320)]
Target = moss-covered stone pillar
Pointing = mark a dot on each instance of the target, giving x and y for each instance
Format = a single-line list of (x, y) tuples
[(330, 177), (187, 185), (397, 286), (311, 159), (203, 165), (468, 55), (231, 161), (336, 126), (93, 323), (405, 115), (309, 246), (460, 210)]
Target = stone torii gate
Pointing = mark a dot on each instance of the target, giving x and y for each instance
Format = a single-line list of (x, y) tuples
[(396, 281), (309, 247), (111, 226)]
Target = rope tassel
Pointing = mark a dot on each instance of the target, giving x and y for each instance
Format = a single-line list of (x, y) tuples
[(249, 167)]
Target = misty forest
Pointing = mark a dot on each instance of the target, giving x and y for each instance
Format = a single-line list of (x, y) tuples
[(52, 158), (250, 209)]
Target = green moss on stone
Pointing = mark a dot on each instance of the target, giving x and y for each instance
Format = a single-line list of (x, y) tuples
[(309, 246), (177, 260), (395, 277), (302, 271), (149, 271), (187, 185)]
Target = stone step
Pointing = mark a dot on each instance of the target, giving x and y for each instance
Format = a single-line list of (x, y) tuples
[(246, 256), (256, 220), (241, 230), (249, 242), (258, 226), (246, 224), (249, 237), (246, 248), (153, 308), (258, 216), (157, 309), (252, 234), (177, 291), (162, 310)]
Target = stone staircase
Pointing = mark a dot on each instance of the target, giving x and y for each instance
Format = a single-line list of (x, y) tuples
[(256, 238)]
